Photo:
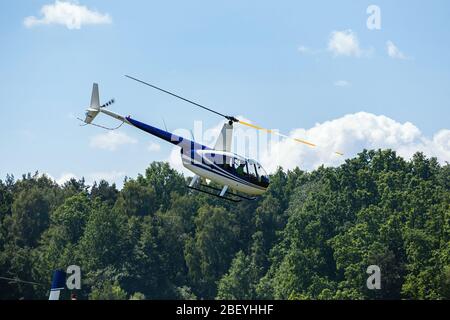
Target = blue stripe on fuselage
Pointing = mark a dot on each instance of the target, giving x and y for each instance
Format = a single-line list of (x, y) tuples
[(168, 136)]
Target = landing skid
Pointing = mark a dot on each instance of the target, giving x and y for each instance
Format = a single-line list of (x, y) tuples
[(233, 196)]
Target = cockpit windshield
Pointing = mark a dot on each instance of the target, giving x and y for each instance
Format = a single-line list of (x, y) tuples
[(257, 173), (248, 169), (251, 170)]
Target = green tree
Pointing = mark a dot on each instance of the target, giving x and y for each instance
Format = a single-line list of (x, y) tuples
[(136, 199), (209, 253), (105, 192), (73, 215), (104, 241), (239, 282), (164, 181), (108, 291), (30, 216), (312, 235)]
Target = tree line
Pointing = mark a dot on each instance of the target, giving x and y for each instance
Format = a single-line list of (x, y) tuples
[(311, 236)]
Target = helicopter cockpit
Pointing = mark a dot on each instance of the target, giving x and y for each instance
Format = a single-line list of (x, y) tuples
[(250, 169), (247, 169)]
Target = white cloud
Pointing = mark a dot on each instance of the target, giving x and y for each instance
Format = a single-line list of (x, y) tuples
[(350, 134), (304, 49), (394, 52), (344, 43), (342, 83), (70, 14), (111, 140), (110, 176), (340, 43), (153, 147), (176, 162), (63, 178), (308, 51)]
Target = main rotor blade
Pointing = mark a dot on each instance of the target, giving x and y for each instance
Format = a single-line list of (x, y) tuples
[(230, 118), (179, 97), (282, 135)]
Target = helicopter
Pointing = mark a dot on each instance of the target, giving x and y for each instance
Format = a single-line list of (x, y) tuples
[(246, 177)]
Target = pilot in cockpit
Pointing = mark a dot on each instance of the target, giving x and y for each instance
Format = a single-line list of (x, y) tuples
[(240, 169)]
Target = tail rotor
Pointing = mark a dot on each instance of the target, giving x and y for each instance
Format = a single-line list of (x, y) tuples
[(95, 107)]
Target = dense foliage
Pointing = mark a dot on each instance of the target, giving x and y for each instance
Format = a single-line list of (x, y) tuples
[(311, 236)]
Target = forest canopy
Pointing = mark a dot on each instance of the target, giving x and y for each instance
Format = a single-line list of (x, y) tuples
[(311, 236)]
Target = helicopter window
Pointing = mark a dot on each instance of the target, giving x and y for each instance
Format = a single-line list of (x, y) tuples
[(252, 171), (263, 177), (240, 167), (260, 170), (258, 177), (235, 163), (225, 162)]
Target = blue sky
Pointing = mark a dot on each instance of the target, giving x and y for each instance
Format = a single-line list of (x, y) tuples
[(240, 57)]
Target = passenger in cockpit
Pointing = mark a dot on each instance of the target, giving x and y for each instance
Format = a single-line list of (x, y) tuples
[(240, 169)]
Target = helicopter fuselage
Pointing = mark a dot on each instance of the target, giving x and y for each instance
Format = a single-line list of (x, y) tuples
[(224, 168)]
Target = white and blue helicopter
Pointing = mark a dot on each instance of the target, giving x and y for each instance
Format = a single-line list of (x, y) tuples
[(217, 164)]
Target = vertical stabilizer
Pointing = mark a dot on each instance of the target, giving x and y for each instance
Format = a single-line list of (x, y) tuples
[(95, 98), (94, 108), (58, 284)]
